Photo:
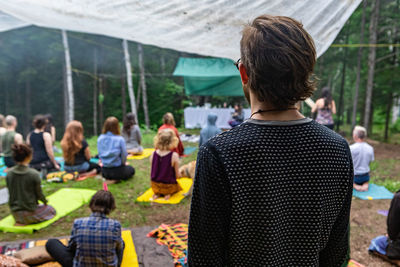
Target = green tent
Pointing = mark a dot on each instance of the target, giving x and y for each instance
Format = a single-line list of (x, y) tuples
[(209, 76)]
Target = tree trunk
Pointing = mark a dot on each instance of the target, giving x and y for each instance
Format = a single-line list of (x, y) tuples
[(28, 109), (359, 59), (340, 111), (95, 81), (143, 86), (387, 119), (101, 109), (139, 90), (65, 94), (129, 78), (69, 76), (123, 96), (373, 34)]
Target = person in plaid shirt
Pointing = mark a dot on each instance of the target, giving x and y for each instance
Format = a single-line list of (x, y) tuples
[(95, 240)]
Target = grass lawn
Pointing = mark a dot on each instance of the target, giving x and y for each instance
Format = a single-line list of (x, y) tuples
[(128, 212)]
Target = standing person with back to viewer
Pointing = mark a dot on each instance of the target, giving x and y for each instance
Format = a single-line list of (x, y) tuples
[(9, 139), (265, 193), (362, 154), (2, 130), (325, 106), (112, 152)]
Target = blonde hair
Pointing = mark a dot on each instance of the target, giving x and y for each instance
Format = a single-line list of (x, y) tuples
[(360, 131), (168, 118), (165, 140)]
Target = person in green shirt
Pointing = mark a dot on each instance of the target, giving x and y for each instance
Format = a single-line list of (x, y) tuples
[(25, 191), (10, 137)]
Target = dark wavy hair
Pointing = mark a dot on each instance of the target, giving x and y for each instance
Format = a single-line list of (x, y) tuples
[(279, 57), (20, 152), (128, 122), (39, 121), (102, 202)]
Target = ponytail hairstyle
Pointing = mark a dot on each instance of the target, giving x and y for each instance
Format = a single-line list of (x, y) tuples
[(72, 140), (21, 152), (128, 122)]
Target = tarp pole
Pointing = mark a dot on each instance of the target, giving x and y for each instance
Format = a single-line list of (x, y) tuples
[(129, 78), (70, 88)]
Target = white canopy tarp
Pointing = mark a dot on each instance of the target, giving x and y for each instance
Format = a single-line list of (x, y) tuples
[(8, 22), (206, 27)]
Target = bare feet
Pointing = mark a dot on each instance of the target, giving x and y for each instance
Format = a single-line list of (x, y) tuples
[(19, 224), (357, 187), (154, 197), (111, 182), (167, 197), (365, 187)]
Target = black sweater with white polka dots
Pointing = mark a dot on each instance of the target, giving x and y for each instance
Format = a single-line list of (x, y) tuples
[(272, 194)]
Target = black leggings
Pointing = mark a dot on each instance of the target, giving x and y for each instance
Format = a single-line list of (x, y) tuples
[(62, 254), (94, 166), (123, 172)]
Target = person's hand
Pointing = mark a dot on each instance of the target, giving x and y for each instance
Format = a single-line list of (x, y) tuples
[(56, 166)]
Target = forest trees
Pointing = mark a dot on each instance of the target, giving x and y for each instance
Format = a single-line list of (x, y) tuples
[(33, 76)]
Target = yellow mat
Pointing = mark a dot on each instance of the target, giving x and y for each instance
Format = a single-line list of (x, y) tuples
[(129, 259), (146, 153), (185, 183)]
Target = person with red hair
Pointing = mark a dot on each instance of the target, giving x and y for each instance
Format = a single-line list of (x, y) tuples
[(169, 123), (76, 150)]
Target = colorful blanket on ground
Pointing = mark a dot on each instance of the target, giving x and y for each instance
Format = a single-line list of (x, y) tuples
[(2, 171), (374, 192), (185, 183), (189, 150), (175, 237), (146, 153), (64, 201), (129, 258)]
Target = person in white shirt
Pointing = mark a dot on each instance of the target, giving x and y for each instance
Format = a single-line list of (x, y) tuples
[(362, 154)]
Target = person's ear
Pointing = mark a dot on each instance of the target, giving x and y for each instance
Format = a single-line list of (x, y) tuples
[(243, 74)]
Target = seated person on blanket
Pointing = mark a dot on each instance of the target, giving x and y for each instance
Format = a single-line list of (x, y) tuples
[(24, 186), (362, 154), (95, 240), (42, 145), (169, 123), (389, 245), (131, 134), (165, 165), (237, 116), (112, 152), (10, 137), (76, 150), (210, 130)]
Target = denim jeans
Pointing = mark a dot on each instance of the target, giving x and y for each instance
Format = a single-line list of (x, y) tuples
[(77, 168)]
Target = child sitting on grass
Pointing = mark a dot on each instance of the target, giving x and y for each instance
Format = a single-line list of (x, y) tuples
[(95, 240), (24, 186), (165, 165)]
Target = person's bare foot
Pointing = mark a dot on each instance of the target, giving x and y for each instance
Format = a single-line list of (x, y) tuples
[(365, 187), (167, 197), (154, 197), (19, 224), (111, 182), (357, 187)]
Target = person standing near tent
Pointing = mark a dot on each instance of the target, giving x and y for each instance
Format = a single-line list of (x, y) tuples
[(237, 116), (169, 123), (362, 154), (325, 106), (264, 192), (24, 186), (10, 138), (210, 130)]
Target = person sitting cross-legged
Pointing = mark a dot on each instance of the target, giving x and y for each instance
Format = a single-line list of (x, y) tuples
[(95, 240), (24, 186), (362, 154), (10, 138)]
